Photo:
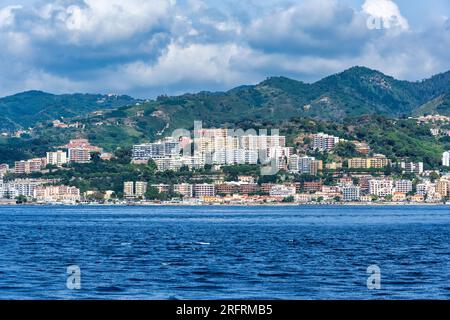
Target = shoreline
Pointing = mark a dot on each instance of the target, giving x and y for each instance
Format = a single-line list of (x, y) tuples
[(352, 204)]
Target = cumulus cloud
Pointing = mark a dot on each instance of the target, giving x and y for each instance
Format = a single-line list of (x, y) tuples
[(311, 27), (150, 47), (387, 11)]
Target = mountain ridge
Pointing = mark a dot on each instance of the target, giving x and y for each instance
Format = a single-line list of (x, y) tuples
[(354, 92)]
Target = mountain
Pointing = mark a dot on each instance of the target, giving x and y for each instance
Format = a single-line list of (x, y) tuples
[(354, 92), (439, 105), (338, 99), (26, 109)]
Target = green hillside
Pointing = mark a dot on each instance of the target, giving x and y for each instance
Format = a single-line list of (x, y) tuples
[(358, 93), (440, 105), (26, 109)]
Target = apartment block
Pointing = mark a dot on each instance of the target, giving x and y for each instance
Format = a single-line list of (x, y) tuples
[(403, 186), (128, 189), (30, 166), (282, 191), (443, 188), (185, 189), (140, 188), (204, 190), (160, 149), (351, 193), (446, 159), (412, 167), (57, 158), (79, 155), (381, 187), (324, 142), (57, 194), (376, 162)]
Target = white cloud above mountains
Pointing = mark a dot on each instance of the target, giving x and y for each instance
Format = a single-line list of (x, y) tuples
[(150, 47)]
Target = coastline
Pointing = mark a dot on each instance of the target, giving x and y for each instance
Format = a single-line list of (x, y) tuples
[(350, 204)]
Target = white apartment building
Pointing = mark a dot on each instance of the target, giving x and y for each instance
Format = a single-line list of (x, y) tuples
[(381, 187), (412, 167), (57, 158), (446, 159), (351, 193), (175, 163), (282, 191), (425, 188), (160, 149), (324, 142), (403, 186)]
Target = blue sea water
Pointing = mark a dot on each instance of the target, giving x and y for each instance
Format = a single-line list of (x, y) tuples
[(225, 252)]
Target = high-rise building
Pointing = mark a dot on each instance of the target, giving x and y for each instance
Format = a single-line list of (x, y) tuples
[(443, 187), (381, 187), (160, 149), (305, 165), (204, 190), (128, 189), (412, 167), (140, 188), (79, 155), (30, 166), (446, 159), (324, 142), (403, 186), (351, 193), (57, 158), (185, 189)]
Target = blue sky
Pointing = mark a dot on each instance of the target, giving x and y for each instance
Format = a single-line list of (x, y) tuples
[(149, 47)]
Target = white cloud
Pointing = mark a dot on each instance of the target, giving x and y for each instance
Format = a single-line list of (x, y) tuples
[(7, 16), (105, 21), (386, 10), (195, 63), (149, 47)]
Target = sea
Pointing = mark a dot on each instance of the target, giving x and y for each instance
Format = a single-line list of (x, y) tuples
[(225, 252)]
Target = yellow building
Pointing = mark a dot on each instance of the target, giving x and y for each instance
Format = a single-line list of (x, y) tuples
[(417, 198), (398, 197), (442, 187), (375, 162)]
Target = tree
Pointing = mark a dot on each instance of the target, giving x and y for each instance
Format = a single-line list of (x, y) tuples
[(346, 150), (289, 199), (21, 199), (152, 193), (123, 155)]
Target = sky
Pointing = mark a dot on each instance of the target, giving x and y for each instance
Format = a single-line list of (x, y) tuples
[(145, 48)]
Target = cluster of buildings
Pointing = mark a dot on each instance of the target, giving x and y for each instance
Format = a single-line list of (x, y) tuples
[(358, 188), (39, 190), (215, 147), (223, 147), (76, 151)]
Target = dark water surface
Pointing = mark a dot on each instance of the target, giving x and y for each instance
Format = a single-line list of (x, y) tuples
[(225, 252)]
